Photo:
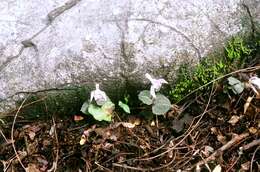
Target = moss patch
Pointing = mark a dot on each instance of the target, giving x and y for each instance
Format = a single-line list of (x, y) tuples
[(239, 52)]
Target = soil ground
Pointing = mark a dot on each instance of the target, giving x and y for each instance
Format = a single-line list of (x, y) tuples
[(206, 130)]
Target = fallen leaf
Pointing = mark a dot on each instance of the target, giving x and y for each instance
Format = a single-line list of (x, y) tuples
[(83, 139), (120, 159), (214, 130), (43, 163), (32, 168), (246, 105), (107, 145), (51, 132), (137, 121), (78, 118), (245, 166), (134, 120), (222, 139), (31, 135), (113, 138), (152, 124), (252, 130), (170, 153), (234, 119), (217, 169), (32, 130), (128, 125), (208, 150)]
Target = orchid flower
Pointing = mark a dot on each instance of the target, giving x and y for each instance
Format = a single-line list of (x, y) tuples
[(156, 84), (255, 84), (98, 95)]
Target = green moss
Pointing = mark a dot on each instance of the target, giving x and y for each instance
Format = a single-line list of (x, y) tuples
[(238, 53), (236, 49)]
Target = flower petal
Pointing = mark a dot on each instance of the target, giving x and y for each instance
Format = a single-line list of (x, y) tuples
[(255, 81), (152, 91), (148, 76), (92, 95)]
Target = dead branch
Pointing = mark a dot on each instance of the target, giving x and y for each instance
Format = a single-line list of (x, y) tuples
[(252, 144), (221, 150), (12, 135)]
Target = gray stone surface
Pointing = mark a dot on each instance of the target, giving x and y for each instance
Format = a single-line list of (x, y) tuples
[(51, 43)]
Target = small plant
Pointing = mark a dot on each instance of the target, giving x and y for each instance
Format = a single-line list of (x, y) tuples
[(238, 87), (160, 104), (236, 49), (237, 53), (102, 108), (124, 105), (203, 73), (235, 85)]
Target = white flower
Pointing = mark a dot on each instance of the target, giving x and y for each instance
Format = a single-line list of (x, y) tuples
[(156, 84), (255, 83), (98, 95)]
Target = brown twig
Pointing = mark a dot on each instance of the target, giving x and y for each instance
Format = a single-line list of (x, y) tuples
[(252, 144), (232, 165), (54, 165), (1, 132), (228, 145), (252, 160), (12, 135), (102, 167)]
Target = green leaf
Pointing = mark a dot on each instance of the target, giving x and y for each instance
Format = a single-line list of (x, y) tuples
[(145, 97), (236, 85), (108, 107), (124, 106), (99, 113), (232, 80), (161, 105), (84, 107)]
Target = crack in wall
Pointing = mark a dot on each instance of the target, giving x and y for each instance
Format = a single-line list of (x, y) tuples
[(167, 26), (253, 27), (126, 69), (28, 43), (58, 11)]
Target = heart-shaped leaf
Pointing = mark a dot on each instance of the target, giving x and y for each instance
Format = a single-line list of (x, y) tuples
[(161, 105), (124, 106), (84, 107), (108, 107), (236, 85), (145, 97), (99, 114)]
